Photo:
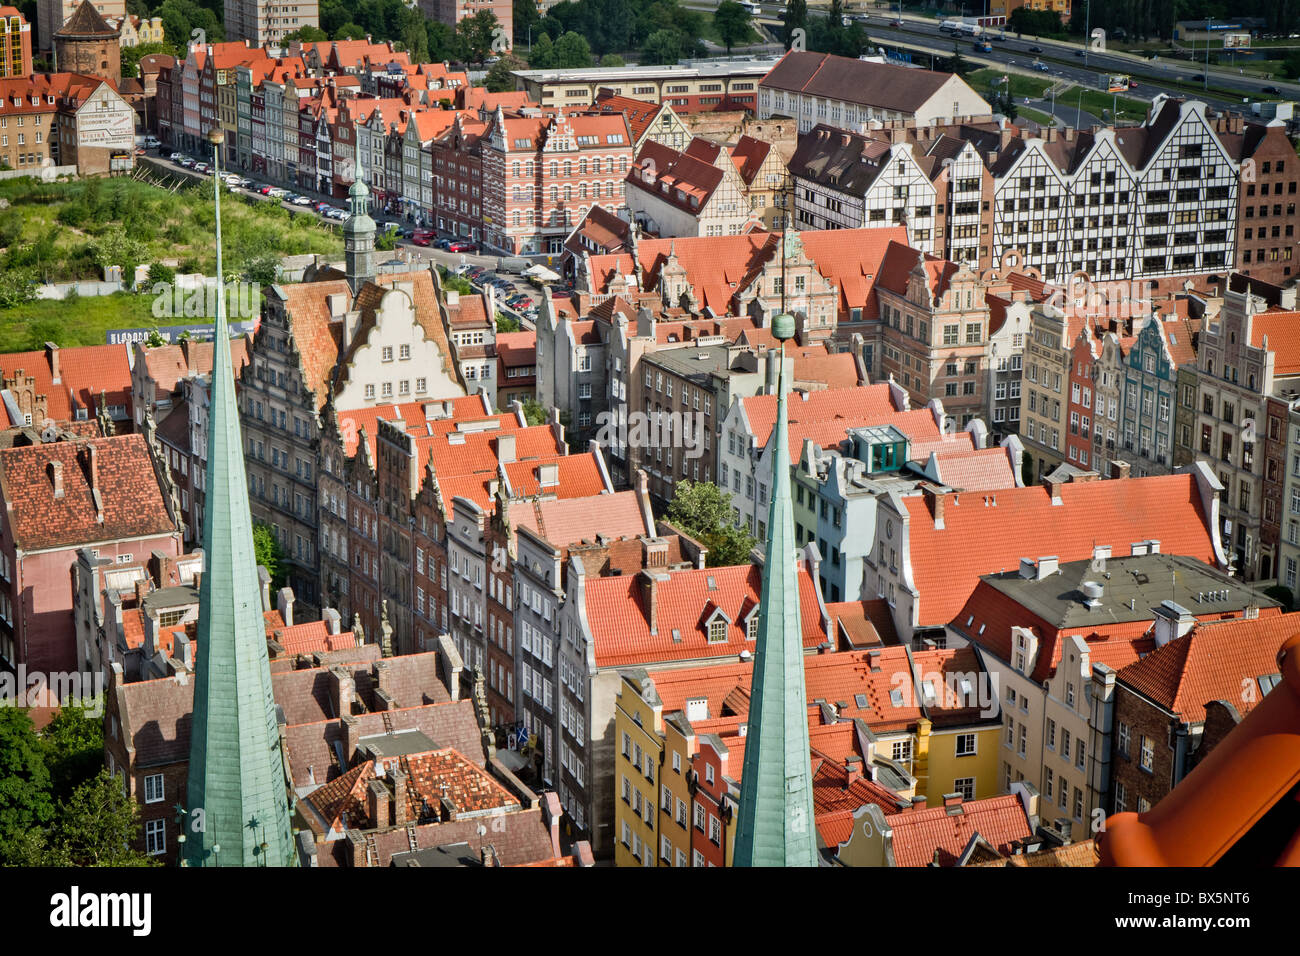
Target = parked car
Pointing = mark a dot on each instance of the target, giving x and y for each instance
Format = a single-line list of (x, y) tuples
[(186, 162), (203, 168), (462, 245), (558, 293), (422, 237), (276, 192), (320, 207), (301, 201), (176, 157), (443, 243)]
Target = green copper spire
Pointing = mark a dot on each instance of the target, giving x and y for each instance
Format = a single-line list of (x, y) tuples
[(237, 801), (776, 800)]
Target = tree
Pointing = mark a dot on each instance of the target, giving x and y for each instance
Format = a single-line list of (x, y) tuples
[(732, 22), (96, 827), (662, 47), (306, 34), (16, 287), (500, 79), (161, 273), (269, 553), (25, 801), (524, 17), (154, 340), (416, 39), (261, 268), (703, 511), (507, 323), (475, 35), (795, 17), (612, 59), (441, 39), (542, 55), (350, 31), (572, 51), (132, 55), (957, 63), (74, 747), (534, 413)]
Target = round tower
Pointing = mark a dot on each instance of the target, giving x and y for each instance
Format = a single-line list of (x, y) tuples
[(89, 44)]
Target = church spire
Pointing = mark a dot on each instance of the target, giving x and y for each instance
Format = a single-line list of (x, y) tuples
[(237, 799), (775, 827)]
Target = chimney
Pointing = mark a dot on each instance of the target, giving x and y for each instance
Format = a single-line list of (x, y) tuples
[(351, 734), (648, 581), (264, 583), (360, 854), (654, 553), (93, 462), (56, 477), (1053, 486), (52, 356), (284, 604), (935, 501), (343, 690), (506, 448), (377, 803), (333, 620), (1172, 621), (399, 797), (548, 475), (551, 813), (1047, 566), (952, 802), (853, 769), (1119, 469), (183, 650), (918, 803)]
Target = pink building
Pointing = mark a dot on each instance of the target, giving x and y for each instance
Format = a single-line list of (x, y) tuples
[(106, 494)]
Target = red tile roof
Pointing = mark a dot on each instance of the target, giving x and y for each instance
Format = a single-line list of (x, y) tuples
[(1282, 329), (935, 835), (312, 638), (1215, 661), (567, 521), (85, 371), (129, 495), (988, 469), (864, 405), (979, 538), (621, 628), (465, 408)]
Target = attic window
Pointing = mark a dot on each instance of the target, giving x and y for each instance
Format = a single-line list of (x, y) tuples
[(751, 629), (861, 701), (1269, 681), (927, 692), (896, 697), (718, 630), (713, 583), (677, 636)]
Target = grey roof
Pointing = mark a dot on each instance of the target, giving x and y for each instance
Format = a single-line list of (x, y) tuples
[(885, 86), (1132, 589), (399, 744), (697, 363), (839, 159)]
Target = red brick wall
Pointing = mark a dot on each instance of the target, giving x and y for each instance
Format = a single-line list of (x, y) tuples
[(1142, 718)]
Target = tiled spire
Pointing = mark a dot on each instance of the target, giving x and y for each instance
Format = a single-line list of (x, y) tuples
[(776, 799), (236, 790)]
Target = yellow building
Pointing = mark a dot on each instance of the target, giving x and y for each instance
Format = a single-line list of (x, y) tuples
[(638, 736)]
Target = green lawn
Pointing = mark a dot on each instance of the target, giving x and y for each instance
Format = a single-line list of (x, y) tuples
[(1021, 86), (65, 227), (1042, 119), (81, 321), (1095, 101)]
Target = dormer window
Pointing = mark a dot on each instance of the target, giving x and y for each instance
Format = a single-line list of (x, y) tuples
[(718, 629), (751, 628)]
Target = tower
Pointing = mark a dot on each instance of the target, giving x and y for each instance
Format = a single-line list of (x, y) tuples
[(359, 237), (89, 44), (775, 826), (237, 799)]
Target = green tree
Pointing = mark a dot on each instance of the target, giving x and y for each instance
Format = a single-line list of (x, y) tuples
[(572, 52), (154, 340), (703, 511), (11, 227), (386, 241), (74, 747), (269, 553), (306, 34), (161, 273), (25, 800), (261, 268), (542, 55), (612, 59), (132, 55), (534, 413), (732, 23), (441, 39), (350, 31), (500, 78), (114, 247), (957, 63), (16, 287), (524, 17), (475, 35), (416, 39), (96, 827), (795, 17), (662, 47), (506, 323)]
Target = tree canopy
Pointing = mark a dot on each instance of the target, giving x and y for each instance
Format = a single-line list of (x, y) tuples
[(703, 511), (732, 23)]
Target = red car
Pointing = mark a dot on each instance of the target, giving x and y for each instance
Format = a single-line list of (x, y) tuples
[(462, 245), (422, 237)]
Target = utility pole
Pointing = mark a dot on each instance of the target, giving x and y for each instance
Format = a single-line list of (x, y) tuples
[(1208, 24), (1087, 31)]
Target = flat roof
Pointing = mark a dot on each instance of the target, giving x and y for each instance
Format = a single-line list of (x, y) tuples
[(741, 67), (401, 743)]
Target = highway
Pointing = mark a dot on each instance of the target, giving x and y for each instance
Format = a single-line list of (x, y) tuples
[(1064, 61)]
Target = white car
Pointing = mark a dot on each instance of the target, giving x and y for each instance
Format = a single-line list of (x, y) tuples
[(300, 201)]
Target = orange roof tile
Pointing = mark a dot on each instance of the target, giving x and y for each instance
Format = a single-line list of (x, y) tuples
[(1282, 330), (568, 521), (980, 538), (922, 837), (863, 405)]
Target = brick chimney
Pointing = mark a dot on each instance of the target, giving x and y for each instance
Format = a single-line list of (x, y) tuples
[(648, 581), (1119, 469), (377, 803), (93, 469), (654, 552), (52, 356), (1053, 486), (351, 734), (343, 690), (506, 448), (852, 769), (951, 801), (56, 477), (399, 797), (935, 502)]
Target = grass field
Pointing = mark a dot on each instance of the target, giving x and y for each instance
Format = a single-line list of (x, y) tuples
[(1042, 119), (1095, 101), (1021, 86), (79, 321), (66, 231)]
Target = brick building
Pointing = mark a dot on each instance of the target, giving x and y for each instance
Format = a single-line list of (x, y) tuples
[(15, 43), (89, 44)]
